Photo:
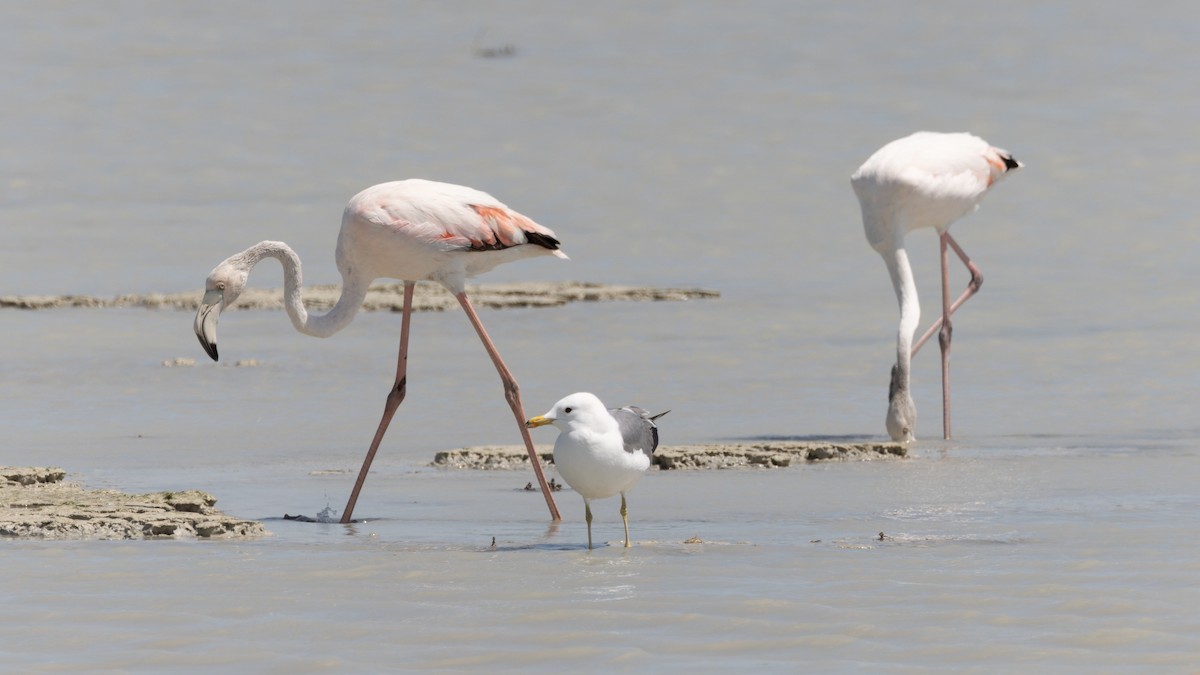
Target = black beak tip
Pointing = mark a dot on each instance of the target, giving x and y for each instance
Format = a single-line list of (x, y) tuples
[(209, 348)]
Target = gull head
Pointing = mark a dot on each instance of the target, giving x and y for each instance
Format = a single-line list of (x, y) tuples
[(577, 411)]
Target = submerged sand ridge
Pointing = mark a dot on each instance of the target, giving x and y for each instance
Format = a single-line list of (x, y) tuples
[(762, 454), (36, 502), (382, 297)]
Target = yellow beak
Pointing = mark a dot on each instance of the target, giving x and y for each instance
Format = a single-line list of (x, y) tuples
[(538, 421)]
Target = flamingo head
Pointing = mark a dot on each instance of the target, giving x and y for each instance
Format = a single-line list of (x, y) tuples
[(902, 412), (222, 288)]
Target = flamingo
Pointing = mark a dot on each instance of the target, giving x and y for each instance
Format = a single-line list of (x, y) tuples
[(410, 230), (927, 179), (600, 451)]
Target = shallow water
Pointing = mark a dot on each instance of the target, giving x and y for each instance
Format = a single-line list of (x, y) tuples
[(671, 144)]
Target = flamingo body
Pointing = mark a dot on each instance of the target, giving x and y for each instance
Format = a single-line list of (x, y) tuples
[(428, 231), (927, 179), (412, 230)]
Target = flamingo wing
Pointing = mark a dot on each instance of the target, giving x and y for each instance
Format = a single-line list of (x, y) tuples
[(500, 227), (450, 217), (955, 165)]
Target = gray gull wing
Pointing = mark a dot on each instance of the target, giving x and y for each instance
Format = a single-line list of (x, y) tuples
[(637, 428)]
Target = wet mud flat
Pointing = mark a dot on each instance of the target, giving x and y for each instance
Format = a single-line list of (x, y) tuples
[(759, 454), (37, 502), (382, 297)]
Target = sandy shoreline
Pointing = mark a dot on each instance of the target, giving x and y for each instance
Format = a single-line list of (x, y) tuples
[(381, 297), (37, 502)]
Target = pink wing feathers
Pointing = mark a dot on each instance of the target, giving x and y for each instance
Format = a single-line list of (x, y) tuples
[(450, 217), (502, 228)]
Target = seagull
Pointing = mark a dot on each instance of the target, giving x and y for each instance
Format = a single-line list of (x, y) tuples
[(927, 179), (600, 451), (411, 230)]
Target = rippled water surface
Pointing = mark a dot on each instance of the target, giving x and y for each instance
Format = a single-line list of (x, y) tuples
[(668, 144)]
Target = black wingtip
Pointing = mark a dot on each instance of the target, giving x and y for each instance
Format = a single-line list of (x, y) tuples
[(1009, 162), (543, 240)]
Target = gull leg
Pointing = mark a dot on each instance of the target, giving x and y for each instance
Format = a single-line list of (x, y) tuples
[(625, 519), (394, 398), (512, 394), (587, 515)]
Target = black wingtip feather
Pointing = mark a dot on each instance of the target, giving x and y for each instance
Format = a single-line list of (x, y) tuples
[(540, 239)]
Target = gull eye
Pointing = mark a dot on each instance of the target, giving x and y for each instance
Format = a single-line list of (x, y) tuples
[(567, 410)]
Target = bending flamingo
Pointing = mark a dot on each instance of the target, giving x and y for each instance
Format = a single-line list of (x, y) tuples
[(924, 180), (411, 230)]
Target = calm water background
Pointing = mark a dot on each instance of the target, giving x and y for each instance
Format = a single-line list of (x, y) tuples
[(670, 144)]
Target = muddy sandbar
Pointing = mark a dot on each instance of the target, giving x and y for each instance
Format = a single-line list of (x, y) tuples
[(37, 502)]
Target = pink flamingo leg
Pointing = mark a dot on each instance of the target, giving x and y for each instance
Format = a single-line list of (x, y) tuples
[(512, 394), (394, 398), (972, 288), (944, 335)]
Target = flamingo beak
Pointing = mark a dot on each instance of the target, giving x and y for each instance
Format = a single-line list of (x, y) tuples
[(539, 421), (206, 321)]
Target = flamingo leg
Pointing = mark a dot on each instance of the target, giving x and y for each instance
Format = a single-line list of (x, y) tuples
[(394, 398), (972, 288), (947, 330), (512, 394)]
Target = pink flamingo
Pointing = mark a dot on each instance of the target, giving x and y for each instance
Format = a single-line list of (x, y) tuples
[(410, 230), (924, 180)]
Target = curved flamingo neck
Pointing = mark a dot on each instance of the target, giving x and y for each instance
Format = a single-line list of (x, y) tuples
[(338, 317), (910, 308), (902, 413)]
